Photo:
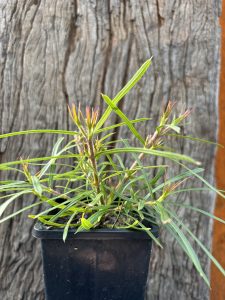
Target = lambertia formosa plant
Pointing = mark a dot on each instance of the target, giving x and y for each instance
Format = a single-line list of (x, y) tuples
[(86, 185)]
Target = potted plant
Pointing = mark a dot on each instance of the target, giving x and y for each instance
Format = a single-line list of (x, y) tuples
[(100, 215)]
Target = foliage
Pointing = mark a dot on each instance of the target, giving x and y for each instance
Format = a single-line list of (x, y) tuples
[(97, 189)]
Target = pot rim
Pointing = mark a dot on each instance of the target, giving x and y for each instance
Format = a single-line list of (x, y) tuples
[(41, 231)]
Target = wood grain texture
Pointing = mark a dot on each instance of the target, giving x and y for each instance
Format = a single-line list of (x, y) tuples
[(57, 52)]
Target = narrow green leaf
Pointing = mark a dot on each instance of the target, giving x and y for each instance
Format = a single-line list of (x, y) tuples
[(20, 211), (174, 128), (177, 178), (36, 184), (49, 223), (121, 124), (96, 199), (123, 117), (166, 154), (51, 162), (148, 231), (188, 249), (30, 160), (200, 244), (189, 137), (105, 137), (93, 219), (111, 163), (121, 163), (129, 226), (206, 213), (141, 204), (212, 188), (53, 204), (165, 218), (86, 224), (158, 175), (130, 182), (137, 76), (6, 135), (11, 199), (14, 184), (70, 205), (65, 231), (190, 189), (56, 146)]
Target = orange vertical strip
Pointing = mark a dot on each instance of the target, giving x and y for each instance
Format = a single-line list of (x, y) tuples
[(217, 279)]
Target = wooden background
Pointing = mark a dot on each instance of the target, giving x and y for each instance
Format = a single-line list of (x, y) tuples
[(217, 279), (57, 52)]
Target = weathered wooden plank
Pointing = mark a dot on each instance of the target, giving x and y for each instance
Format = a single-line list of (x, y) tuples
[(57, 52)]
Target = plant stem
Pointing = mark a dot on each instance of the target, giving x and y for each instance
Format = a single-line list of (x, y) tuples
[(94, 166)]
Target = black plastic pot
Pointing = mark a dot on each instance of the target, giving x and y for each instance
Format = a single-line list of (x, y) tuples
[(97, 265)]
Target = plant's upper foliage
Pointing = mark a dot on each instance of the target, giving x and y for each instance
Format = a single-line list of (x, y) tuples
[(86, 184)]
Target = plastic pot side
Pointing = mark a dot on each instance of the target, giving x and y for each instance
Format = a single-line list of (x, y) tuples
[(96, 265)]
